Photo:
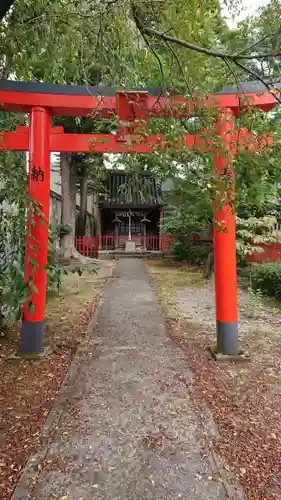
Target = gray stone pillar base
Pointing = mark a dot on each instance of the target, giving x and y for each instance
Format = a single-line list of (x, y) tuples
[(130, 246), (227, 338), (31, 337), (240, 356)]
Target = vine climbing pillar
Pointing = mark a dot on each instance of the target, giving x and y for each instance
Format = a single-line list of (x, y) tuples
[(36, 252), (225, 239)]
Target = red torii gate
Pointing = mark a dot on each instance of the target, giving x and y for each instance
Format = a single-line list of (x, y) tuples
[(132, 108)]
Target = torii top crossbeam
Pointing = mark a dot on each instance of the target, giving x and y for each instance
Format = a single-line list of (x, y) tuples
[(69, 100)]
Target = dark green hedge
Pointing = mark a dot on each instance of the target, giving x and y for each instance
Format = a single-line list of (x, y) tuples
[(267, 278), (194, 253)]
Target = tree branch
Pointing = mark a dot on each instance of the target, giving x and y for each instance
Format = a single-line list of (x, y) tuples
[(158, 59), (268, 35), (203, 50), (193, 46), (179, 66), (235, 58), (257, 76)]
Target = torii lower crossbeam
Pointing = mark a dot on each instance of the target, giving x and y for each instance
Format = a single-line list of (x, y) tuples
[(61, 142)]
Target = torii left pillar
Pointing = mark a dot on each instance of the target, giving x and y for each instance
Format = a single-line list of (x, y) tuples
[(36, 253)]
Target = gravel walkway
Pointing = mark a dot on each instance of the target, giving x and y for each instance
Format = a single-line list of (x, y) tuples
[(257, 320), (128, 429)]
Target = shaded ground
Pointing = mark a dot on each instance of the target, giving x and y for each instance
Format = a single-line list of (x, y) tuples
[(128, 427), (245, 397), (29, 388)]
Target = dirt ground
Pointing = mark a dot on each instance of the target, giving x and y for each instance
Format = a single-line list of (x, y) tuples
[(244, 397), (28, 388)]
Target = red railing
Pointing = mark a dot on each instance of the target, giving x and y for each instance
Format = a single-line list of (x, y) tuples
[(108, 242), (167, 241), (270, 253), (151, 242), (87, 246)]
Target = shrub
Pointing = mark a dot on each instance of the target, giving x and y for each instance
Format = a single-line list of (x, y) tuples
[(193, 253), (252, 234), (198, 253), (267, 278), (179, 252)]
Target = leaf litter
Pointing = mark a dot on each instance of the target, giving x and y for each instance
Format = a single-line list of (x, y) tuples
[(29, 388), (244, 398)]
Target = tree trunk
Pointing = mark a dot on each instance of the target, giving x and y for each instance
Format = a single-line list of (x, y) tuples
[(68, 204), (68, 210), (81, 222), (209, 269), (97, 216)]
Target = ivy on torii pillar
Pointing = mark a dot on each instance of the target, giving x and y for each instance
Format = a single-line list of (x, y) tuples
[(36, 251)]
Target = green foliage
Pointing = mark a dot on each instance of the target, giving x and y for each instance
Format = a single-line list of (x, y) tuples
[(254, 303), (258, 173), (267, 278), (193, 253), (13, 291), (198, 253), (62, 229), (258, 34), (190, 199), (13, 207), (179, 252), (252, 233), (56, 271)]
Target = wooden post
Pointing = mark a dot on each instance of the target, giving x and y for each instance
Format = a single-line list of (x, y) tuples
[(144, 235), (116, 222), (97, 215), (161, 228), (130, 226)]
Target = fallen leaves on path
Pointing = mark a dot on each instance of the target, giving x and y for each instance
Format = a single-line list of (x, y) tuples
[(248, 420), (244, 398), (29, 388)]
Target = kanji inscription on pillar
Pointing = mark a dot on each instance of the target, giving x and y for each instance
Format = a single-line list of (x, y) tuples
[(37, 174)]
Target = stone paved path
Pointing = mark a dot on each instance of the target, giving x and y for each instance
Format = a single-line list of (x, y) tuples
[(129, 429)]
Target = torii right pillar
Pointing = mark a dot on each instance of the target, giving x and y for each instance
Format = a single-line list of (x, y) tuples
[(225, 240)]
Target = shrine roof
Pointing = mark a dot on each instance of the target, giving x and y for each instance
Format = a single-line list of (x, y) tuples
[(125, 191)]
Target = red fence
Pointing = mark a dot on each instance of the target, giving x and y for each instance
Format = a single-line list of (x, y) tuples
[(151, 242), (270, 253), (89, 247), (108, 242), (167, 241)]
